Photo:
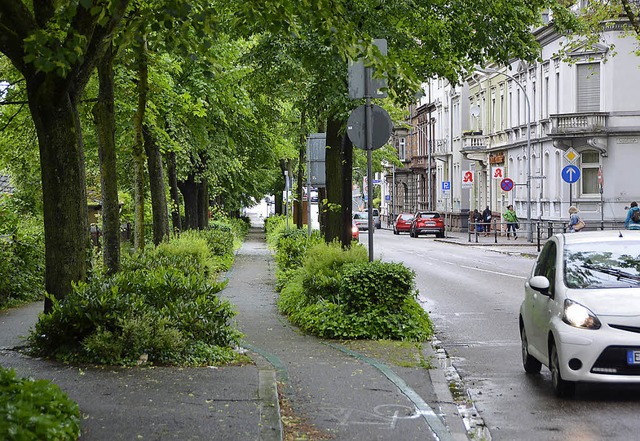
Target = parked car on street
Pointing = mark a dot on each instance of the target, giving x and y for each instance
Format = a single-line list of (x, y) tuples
[(361, 219), (377, 223), (402, 223), (581, 311), (427, 222)]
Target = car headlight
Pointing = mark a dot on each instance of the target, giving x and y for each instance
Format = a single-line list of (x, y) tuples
[(354, 229), (579, 316)]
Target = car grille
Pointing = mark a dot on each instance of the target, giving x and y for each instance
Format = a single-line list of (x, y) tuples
[(626, 328), (613, 361)]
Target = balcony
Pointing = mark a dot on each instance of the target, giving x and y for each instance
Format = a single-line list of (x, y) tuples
[(474, 141), (573, 125), (420, 161), (440, 147)]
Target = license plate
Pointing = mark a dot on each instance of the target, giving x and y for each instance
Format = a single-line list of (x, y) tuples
[(633, 357)]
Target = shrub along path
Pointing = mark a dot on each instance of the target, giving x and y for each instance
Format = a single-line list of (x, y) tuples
[(343, 395)]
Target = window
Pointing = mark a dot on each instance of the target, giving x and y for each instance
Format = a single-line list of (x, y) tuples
[(588, 87), (402, 148), (546, 265), (590, 163)]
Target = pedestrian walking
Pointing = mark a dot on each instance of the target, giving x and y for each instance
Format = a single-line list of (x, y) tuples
[(486, 218), (512, 222), (632, 222), (575, 221)]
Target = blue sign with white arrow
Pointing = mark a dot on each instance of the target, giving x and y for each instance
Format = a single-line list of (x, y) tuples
[(570, 174)]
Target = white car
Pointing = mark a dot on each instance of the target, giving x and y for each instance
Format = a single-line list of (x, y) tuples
[(581, 313)]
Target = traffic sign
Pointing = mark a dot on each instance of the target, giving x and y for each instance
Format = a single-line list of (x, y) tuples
[(357, 125), (571, 155), (506, 184), (446, 185), (570, 174)]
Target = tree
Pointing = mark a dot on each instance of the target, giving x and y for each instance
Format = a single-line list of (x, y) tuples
[(56, 50)]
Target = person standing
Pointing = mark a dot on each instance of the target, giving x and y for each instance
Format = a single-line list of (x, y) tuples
[(632, 222), (486, 218), (476, 218), (512, 222)]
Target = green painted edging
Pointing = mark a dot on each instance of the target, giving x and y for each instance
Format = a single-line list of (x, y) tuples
[(439, 430), (281, 370)]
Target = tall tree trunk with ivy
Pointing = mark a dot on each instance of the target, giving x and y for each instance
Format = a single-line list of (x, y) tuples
[(104, 117), (174, 192), (157, 188), (138, 146)]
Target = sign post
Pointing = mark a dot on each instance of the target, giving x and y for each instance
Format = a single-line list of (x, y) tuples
[(361, 123)]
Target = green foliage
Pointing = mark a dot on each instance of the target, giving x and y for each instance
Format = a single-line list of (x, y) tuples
[(338, 293), (162, 307), (21, 256), (35, 410), (322, 271)]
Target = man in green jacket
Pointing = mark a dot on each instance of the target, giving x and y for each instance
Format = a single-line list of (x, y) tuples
[(512, 222)]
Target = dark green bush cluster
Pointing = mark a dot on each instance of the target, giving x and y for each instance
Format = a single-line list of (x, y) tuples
[(162, 308), (35, 410), (338, 293), (21, 258)]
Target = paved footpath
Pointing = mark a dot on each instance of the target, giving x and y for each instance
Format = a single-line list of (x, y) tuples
[(344, 395)]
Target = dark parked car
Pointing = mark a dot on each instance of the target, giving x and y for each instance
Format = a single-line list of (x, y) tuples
[(403, 223), (427, 222)]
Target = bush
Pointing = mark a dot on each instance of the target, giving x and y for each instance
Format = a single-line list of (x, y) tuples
[(21, 262), (35, 410), (340, 294), (322, 270), (162, 306), (291, 251)]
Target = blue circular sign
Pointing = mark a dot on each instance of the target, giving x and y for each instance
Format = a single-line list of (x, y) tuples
[(506, 184), (570, 174)]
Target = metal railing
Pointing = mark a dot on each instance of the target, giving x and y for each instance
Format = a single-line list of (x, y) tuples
[(543, 229)]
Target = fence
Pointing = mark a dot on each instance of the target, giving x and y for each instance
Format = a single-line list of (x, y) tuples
[(542, 229)]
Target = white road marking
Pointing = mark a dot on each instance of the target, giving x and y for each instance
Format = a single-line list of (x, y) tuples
[(493, 272)]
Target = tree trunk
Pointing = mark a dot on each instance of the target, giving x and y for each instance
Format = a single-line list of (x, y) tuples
[(174, 192), (338, 162), (138, 147), (64, 194), (157, 187), (104, 116), (189, 190), (203, 204)]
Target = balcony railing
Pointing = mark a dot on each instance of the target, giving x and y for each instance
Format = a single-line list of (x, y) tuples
[(474, 142), (440, 147), (578, 123), (419, 162)]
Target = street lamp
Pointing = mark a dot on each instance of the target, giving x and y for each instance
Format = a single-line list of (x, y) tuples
[(526, 97)]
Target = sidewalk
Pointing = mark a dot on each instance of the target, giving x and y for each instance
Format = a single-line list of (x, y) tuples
[(337, 392)]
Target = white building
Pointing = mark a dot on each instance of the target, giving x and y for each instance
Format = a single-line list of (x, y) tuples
[(584, 112)]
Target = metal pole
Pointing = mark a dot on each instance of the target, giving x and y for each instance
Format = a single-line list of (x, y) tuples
[(369, 147)]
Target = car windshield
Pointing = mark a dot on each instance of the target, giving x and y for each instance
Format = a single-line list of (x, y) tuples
[(406, 216), (602, 265), (429, 215), (361, 216)]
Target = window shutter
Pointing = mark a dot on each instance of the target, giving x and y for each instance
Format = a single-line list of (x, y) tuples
[(589, 87)]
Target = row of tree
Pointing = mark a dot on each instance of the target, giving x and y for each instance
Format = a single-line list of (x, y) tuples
[(176, 103)]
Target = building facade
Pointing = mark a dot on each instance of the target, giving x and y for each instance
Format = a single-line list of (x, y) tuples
[(563, 131)]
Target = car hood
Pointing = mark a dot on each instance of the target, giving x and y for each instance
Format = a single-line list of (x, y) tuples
[(621, 302)]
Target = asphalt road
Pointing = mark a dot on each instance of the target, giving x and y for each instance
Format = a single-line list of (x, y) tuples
[(473, 295)]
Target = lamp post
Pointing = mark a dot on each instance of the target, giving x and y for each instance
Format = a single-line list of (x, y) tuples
[(526, 97)]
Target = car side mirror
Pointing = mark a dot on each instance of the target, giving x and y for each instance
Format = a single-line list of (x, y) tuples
[(540, 284)]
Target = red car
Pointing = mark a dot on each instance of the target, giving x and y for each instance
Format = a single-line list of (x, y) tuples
[(355, 231), (402, 223), (427, 222)]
